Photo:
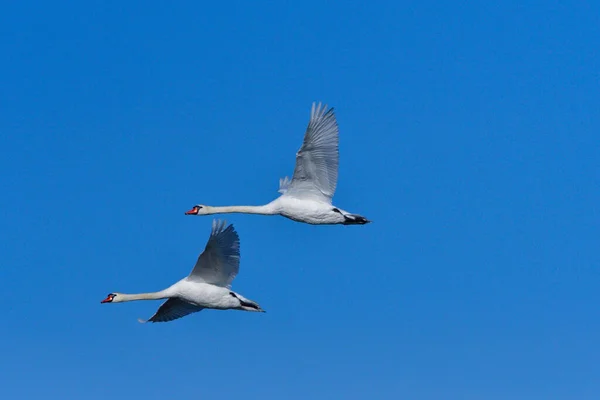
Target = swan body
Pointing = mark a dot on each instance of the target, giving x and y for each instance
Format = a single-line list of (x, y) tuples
[(207, 286), (307, 197)]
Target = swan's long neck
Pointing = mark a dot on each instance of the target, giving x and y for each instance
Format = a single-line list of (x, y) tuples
[(267, 209), (142, 296)]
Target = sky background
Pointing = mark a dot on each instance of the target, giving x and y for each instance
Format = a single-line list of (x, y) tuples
[(469, 134)]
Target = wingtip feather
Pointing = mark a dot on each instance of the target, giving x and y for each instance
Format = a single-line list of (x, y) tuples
[(320, 110), (284, 185), (220, 226)]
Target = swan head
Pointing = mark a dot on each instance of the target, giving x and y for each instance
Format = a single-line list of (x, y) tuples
[(199, 209), (113, 298)]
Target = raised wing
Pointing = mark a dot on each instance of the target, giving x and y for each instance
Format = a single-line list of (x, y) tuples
[(172, 309), (220, 261), (317, 161)]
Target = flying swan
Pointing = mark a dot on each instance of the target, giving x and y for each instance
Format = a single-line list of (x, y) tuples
[(207, 286), (307, 196)]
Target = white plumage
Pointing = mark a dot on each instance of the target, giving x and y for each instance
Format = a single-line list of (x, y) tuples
[(207, 286), (307, 197)]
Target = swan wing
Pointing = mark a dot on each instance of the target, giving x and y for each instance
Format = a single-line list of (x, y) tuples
[(316, 172), (173, 308), (220, 261)]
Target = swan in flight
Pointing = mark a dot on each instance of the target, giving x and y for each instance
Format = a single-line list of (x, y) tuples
[(307, 196), (207, 286)]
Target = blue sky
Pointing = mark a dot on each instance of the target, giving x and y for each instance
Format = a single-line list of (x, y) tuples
[(468, 134)]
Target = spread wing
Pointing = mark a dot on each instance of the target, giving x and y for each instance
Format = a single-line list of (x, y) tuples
[(172, 309), (316, 172), (220, 261)]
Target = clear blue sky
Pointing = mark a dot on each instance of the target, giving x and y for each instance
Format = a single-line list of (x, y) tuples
[(469, 134)]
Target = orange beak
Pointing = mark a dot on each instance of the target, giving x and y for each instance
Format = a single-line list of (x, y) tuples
[(193, 211), (107, 300)]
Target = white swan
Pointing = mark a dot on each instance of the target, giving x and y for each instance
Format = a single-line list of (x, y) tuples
[(307, 197), (208, 284)]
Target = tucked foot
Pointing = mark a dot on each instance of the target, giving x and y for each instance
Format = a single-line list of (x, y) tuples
[(354, 219)]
